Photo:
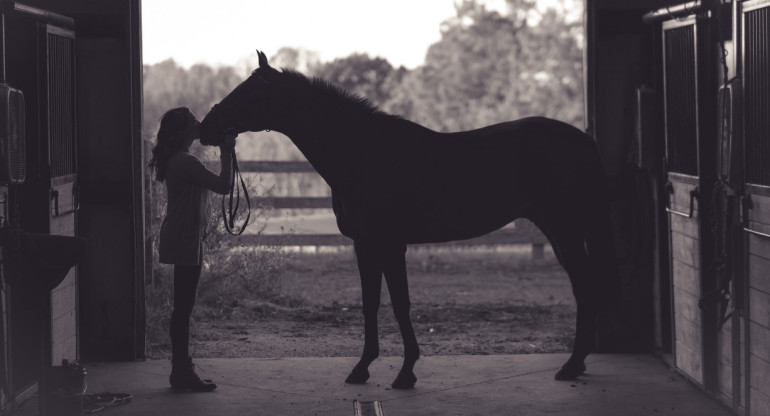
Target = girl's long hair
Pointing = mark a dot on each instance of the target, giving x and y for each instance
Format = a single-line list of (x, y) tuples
[(169, 140)]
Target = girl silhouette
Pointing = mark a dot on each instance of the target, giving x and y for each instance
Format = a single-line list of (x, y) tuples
[(188, 183)]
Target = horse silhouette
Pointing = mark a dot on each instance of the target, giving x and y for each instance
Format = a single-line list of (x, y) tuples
[(395, 182)]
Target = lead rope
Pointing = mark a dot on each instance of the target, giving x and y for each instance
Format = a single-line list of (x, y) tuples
[(235, 194)]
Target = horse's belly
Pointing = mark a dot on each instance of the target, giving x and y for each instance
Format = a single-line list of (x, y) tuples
[(460, 219)]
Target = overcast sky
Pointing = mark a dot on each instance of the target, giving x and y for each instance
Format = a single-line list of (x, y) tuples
[(227, 31)]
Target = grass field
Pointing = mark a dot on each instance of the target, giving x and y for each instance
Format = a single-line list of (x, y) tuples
[(463, 302)]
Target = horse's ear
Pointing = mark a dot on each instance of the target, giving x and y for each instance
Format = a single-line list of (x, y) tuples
[(262, 60)]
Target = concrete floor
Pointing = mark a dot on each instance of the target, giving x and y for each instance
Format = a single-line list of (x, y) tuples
[(614, 385)]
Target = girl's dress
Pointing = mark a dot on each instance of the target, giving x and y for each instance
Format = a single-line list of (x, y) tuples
[(188, 183)]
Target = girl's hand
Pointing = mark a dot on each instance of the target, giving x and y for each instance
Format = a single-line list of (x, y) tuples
[(228, 145)]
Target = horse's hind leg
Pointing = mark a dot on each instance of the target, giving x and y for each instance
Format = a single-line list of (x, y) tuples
[(570, 249), (394, 267), (370, 270)]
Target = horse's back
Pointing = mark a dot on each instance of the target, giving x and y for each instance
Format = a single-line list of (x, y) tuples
[(433, 187), (528, 137), (522, 155), (471, 183)]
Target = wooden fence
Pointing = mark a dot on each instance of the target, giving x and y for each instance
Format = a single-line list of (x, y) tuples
[(523, 233)]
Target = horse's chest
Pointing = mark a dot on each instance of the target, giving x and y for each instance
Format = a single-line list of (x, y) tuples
[(370, 204)]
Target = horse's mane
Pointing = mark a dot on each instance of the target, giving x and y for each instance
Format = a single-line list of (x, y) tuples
[(333, 93)]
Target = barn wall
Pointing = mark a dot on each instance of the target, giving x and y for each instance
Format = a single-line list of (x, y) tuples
[(727, 359), (759, 305), (752, 17), (615, 65), (686, 272), (64, 326), (730, 357), (98, 312), (731, 365), (24, 65), (109, 291), (110, 65)]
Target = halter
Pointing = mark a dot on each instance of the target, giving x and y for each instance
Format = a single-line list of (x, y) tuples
[(228, 216), (233, 125)]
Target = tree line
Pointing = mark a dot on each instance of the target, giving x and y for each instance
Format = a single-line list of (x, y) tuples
[(486, 68)]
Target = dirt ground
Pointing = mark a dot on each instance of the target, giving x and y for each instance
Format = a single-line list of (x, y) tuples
[(463, 302)]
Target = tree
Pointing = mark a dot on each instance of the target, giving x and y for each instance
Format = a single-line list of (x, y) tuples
[(373, 78), (490, 68), (299, 59), (167, 85), (487, 68)]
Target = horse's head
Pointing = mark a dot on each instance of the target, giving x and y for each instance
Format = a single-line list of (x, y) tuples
[(244, 109)]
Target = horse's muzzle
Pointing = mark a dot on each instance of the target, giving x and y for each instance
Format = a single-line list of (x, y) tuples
[(211, 134)]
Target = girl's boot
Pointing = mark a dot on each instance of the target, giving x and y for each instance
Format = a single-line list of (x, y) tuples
[(183, 376)]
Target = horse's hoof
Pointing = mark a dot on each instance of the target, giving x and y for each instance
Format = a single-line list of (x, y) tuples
[(404, 381), (570, 371), (357, 376)]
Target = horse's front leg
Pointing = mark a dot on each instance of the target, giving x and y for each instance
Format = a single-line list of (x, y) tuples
[(394, 267), (371, 281)]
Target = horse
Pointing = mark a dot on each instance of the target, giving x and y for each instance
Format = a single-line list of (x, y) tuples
[(395, 182)]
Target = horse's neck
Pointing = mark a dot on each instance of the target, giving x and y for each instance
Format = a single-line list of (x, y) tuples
[(323, 149), (334, 137)]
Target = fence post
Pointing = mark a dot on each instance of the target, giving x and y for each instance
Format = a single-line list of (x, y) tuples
[(538, 251)]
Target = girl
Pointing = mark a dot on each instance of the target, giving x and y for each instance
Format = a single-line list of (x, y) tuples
[(188, 183)]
